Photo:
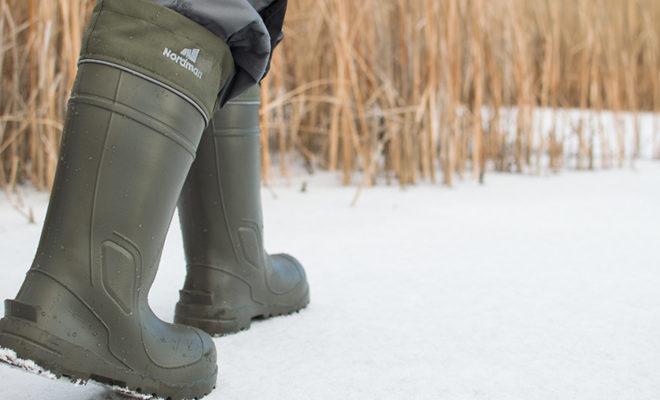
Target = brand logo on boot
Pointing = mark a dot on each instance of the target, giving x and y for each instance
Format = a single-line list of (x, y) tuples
[(186, 59), (190, 54)]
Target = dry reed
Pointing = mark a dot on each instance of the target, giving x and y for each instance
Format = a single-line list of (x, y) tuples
[(390, 89)]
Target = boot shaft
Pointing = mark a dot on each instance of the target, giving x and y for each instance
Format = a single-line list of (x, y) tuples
[(220, 205), (132, 129), (118, 168)]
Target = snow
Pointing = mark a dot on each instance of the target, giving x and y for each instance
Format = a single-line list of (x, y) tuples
[(11, 360), (524, 288), (9, 356)]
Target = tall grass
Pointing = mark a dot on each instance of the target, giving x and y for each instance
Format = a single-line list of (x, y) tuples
[(443, 90), (393, 90), (39, 45)]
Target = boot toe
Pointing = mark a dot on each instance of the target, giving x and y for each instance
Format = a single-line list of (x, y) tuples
[(184, 357), (201, 374), (288, 276)]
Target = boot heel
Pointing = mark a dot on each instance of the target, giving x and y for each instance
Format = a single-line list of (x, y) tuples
[(216, 327), (56, 331), (37, 351), (212, 319)]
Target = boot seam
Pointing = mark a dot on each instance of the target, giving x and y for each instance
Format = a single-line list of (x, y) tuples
[(236, 132), (143, 119), (124, 68)]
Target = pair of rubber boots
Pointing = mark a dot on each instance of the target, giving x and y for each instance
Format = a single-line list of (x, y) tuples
[(141, 111)]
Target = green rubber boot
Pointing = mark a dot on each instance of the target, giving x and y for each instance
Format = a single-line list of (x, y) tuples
[(133, 125), (231, 280)]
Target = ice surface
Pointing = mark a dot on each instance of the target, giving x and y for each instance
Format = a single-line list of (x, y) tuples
[(526, 288)]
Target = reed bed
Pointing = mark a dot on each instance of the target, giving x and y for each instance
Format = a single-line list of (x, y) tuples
[(392, 90)]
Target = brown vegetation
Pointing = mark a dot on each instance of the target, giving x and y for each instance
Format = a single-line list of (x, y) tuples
[(400, 89)]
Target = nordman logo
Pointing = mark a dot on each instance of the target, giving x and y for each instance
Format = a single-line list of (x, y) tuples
[(185, 59), (190, 54)]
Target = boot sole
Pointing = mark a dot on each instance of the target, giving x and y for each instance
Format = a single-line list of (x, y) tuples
[(23, 345), (202, 316)]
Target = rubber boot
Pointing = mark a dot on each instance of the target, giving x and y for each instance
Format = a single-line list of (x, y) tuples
[(133, 124), (230, 278)]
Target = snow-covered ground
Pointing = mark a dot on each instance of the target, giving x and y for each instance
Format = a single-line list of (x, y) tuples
[(525, 288)]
